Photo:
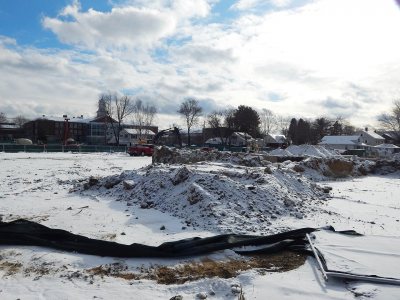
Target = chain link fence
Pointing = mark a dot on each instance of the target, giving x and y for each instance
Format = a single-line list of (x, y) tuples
[(11, 148)]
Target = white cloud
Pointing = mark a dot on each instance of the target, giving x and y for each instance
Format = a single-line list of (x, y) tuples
[(281, 3), (324, 58), (243, 5), (122, 27), (316, 51), (137, 25)]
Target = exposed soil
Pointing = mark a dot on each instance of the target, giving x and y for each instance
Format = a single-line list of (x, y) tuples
[(340, 167), (279, 262), (10, 268)]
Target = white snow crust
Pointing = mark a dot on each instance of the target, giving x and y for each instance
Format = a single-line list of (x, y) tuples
[(242, 195)]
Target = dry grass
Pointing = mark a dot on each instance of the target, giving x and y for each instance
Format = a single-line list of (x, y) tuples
[(280, 262), (10, 268), (109, 237), (179, 274), (114, 270)]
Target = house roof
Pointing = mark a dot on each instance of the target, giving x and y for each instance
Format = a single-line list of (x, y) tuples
[(372, 134), (279, 138), (339, 140), (243, 135), (387, 146), (389, 135)]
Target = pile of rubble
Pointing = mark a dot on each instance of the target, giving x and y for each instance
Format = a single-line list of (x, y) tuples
[(217, 196), (231, 192), (168, 155)]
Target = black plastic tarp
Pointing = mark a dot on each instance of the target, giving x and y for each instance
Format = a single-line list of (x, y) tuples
[(23, 232)]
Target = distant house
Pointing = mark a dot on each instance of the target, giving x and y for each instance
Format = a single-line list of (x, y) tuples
[(210, 134), (275, 140), (237, 139), (364, 140), (241, 139), (391, 137), (130, 136), (341, 142), (385, 150), (370, 138)]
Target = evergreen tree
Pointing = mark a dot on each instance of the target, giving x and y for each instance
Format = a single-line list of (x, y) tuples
[(292, 132), (303, 132), (247, 120)]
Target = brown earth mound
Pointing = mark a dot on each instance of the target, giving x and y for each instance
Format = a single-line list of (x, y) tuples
[(339, 167)]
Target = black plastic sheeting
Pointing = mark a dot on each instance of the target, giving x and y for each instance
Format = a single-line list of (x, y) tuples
[(27, 233)]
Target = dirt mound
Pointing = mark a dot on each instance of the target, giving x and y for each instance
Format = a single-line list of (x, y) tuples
[(385, 166), (168, 155), (335, 167), (219, 196), (339, 167)]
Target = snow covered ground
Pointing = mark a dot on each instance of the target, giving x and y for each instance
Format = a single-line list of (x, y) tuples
[(43, 187)]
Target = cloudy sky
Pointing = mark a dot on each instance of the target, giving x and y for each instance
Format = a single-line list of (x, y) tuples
[(298, 58)]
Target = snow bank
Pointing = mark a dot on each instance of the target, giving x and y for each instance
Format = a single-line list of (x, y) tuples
[(280, 152), (305, 150)]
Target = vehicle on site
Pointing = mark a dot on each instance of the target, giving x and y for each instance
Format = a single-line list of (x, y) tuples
[(141, 150), (167, 132)]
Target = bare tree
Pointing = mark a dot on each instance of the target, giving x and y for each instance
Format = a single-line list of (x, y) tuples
[(191, 112), (216, 120), (20, 120), (118, 108), (3, 117), (283, 125), (269, 121), (143, 116), (391, 121)]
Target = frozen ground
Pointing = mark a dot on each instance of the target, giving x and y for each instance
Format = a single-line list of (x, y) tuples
[(36, 187)]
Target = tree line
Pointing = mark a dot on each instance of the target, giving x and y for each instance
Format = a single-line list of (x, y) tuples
[(261, 123), (257, 123), (121, 107), (18, 120)]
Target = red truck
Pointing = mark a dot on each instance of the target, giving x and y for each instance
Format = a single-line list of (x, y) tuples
[(141, 149)]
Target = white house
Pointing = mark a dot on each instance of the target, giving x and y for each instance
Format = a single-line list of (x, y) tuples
[(274, 140), (370, 138), (237, 139), (241, 139), (385, 150), (364, 140), (130, 136), (341, 142)]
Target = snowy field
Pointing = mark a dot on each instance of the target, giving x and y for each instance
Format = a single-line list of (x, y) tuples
[(42, 187)]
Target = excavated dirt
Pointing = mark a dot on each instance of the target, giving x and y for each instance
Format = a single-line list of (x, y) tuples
[(339, 167), (207, 268)]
